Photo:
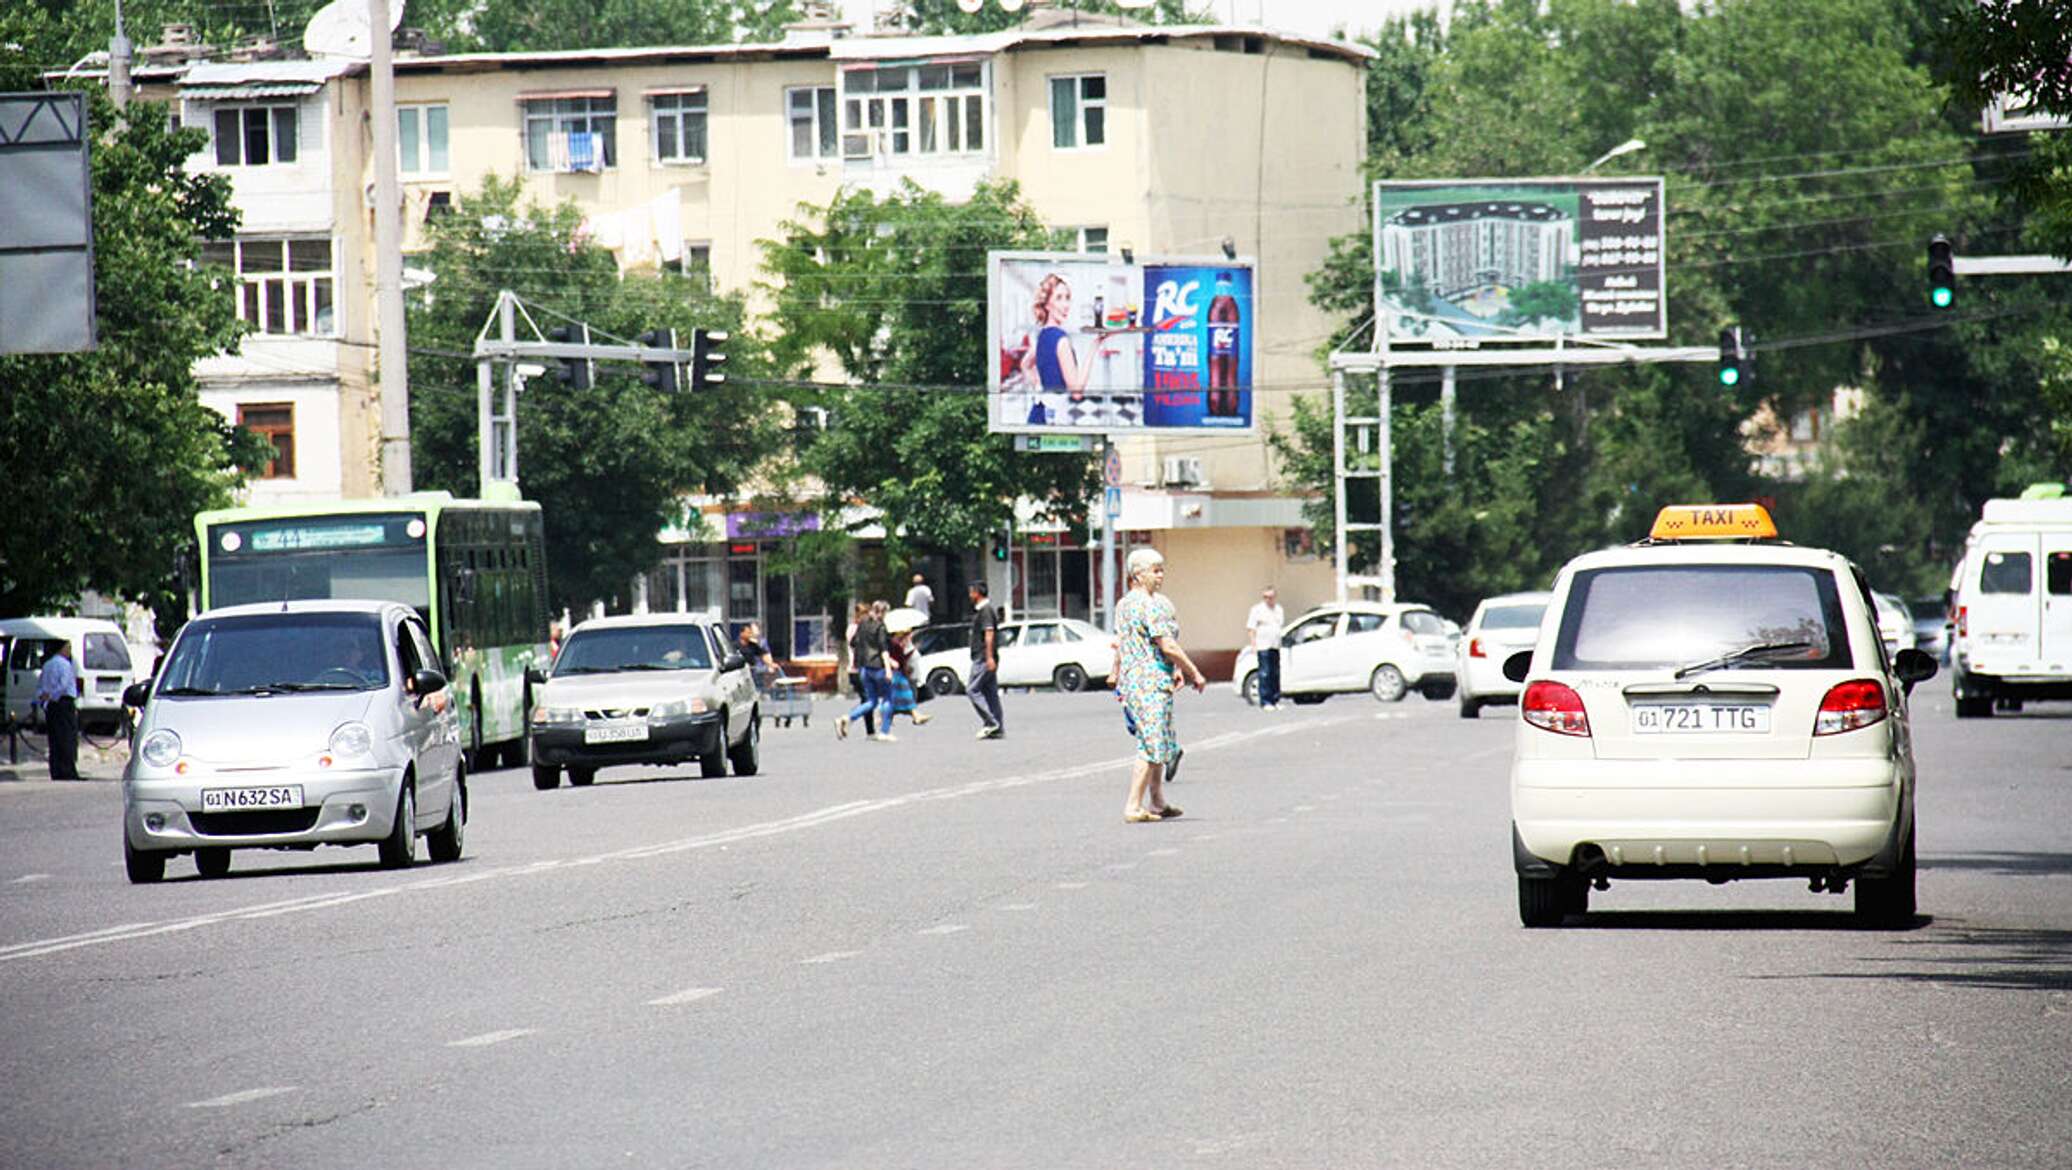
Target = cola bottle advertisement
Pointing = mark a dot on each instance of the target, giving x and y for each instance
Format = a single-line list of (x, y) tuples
[(1198, 352)]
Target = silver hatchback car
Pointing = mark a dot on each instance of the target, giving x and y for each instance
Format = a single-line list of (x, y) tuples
[(291, 726)]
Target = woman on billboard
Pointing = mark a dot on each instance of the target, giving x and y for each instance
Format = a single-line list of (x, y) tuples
[(1052, 364)]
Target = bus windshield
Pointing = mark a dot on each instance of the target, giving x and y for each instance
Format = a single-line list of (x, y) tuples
[(374, 557)]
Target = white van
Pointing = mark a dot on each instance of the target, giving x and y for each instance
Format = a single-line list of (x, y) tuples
[(2012, 606), (99, 654)]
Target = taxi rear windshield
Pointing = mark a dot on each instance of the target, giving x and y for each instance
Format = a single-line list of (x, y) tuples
[(1674, 615)]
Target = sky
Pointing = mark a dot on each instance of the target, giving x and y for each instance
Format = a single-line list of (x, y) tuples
[(1311, 17)]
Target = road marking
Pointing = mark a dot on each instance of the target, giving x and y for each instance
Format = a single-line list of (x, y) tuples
[(945, 928), (832, 957), (1276, 820), (240, 1098), (687, 995), (1163, 853), (26, 878), (1016, 906), (488, 1038), (1071, 885), (716, 840), (1305, 808), (1204, 837), (1119, 866)]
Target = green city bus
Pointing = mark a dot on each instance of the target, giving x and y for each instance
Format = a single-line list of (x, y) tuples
[(476, 570)]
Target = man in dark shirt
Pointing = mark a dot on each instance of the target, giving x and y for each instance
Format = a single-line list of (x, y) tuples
[(984, 688)]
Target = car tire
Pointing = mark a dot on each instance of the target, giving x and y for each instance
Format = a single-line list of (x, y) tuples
[(1470, 707), (1889, 902), (713, 764), (1387, 684), (514, 753), (399, 848), (1248, 690), (1309, 699), (212, 861), (747, 756), (1439, 692), (1542, 901), (546, 777), (581, 777), (1069, 678), (1980, 708), (943, 681), (445, 842), (144, 866)]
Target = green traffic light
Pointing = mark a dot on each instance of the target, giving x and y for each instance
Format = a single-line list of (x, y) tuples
[(1729, 375), (1941, 296)]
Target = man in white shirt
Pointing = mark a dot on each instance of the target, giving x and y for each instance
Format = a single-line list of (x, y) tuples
[(1263, 627), (922, 598)]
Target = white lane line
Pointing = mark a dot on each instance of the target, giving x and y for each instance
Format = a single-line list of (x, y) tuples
[(1204, 837), (1305, 808), (1071, 885), (831, 957), (240, 1098), (687, 995), (1120, 866), (1276, 820), (945, 928), (488, 1038), (1016, 906), (810, 820), (26, 878), (1163, 853)]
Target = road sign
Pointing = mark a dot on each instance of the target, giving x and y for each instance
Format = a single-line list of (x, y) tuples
[(1114, 503), (1111, 469), (1054, 443)]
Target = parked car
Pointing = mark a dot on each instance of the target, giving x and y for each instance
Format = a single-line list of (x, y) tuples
[(655, 689), (289, 726), (1387, 649), (1932, 627), (1895, 623), (99, 654), (1065, 653), (1500, 627)]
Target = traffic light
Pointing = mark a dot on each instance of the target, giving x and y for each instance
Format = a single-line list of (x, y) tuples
[(662, 375), (1733, 356), (1003, 543), (1942, 272), (575, 373), (708, 358)]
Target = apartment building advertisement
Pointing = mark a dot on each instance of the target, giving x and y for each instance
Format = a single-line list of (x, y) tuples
[(1092, 344), (1520, 260)]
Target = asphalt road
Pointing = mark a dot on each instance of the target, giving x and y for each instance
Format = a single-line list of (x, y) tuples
[(950, 953)]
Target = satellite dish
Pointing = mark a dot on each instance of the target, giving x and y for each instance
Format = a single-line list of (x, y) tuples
[(1135, 3), (341, 29), (971, 6), (1010, 5)]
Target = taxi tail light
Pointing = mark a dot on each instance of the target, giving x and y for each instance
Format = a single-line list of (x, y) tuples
[(1847, 706), (1555, 707), (1475, 649)]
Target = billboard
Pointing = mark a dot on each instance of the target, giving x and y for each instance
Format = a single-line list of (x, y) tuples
[(1520, 259), (1088, 344)]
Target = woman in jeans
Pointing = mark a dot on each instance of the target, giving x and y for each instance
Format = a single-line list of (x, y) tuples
[(867, 651)]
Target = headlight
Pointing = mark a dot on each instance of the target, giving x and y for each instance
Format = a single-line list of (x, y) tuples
[(352, 739), (160, 749), (676, 707), (546, 715)]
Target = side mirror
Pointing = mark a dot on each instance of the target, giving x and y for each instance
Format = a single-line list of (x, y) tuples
[(732, 661), (536, 676), (136, 694), (427, 682), (1912, 666), (1518, 665)]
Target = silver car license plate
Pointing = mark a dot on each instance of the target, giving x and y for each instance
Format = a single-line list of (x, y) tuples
[(234, 799), (615, 733), (1701, 719)]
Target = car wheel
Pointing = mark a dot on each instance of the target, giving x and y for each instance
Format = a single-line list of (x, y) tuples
[(1470, 707), (1542, 901), (399, 848), (1387, 684), (943, 681), (546, 777), (1889, 901), (144, 866), (1310, 699), (1439, 692), (1979, 708), (713, 764), (747, 756), (1248, 690), (514, 753), (581, 777), (1070, 678), (444, 843), (212, 861)]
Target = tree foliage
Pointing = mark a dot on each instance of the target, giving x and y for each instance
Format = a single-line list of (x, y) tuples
[(118, 433)]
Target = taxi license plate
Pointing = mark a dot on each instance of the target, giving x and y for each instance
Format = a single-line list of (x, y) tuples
[(1701, 719), (616, 733), (235, 799)]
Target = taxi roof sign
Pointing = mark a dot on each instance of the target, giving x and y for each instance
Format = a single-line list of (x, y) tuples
[(1713, 522)]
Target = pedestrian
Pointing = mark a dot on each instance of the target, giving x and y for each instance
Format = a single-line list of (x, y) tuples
[(1263, 628), (922, 599), (58, 690), (1150, 666), (899, 663), (860, 611), (760, 665), (984, 688), (867, 651)]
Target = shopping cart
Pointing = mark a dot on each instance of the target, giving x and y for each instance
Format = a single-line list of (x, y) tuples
[(786, 699)]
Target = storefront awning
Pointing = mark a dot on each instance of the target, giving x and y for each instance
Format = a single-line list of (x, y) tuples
[(257, 89)]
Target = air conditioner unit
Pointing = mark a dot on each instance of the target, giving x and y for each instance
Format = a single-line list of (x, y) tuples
[(860, 144), (1184, 471)]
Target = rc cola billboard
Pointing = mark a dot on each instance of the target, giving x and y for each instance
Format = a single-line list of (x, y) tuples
[(1520, 260)]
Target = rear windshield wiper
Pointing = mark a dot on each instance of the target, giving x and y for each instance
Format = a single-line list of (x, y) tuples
[(1760, 652)]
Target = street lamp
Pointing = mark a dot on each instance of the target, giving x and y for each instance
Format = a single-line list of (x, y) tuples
[(1626, 147)]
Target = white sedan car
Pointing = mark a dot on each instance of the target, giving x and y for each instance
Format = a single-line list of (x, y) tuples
[(1387, 649), (1065, 653), (1501, 627)]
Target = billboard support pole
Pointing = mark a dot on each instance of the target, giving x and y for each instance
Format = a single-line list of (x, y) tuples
[(1109, 563), (1342, 555), (1388, 486), (1446, 419)]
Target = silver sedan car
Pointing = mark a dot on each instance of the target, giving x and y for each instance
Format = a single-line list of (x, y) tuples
[(291, 726)]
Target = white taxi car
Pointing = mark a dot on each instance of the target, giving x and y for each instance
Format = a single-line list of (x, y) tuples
[(1713, 703)]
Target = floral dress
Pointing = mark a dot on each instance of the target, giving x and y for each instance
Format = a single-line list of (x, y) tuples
[(1146, 685)]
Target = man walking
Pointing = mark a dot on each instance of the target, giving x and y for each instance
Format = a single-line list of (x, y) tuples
[(984, 688), (57, 689), (1263, 628), (921, 598)]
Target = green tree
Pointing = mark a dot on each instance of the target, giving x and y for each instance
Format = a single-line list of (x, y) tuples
[(512, 26), (608, 465), (117, 434), (2019, 49), (893, 291), (1546, 300)]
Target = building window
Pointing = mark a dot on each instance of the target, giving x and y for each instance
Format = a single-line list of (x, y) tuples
[(274, 422), (679, 120), (572, 134), (812, 113), (255, 136), (697, 261), (284, 285), (1079, 111), (914, 109), (421, 139), (1093, 239)]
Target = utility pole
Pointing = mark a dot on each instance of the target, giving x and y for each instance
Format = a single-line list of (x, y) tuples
[(390, 332), (119, 53)]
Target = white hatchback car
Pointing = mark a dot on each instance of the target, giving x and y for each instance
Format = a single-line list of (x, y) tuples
[(1711, 703), (1387, 649), (1501, 627), (1065, 653)]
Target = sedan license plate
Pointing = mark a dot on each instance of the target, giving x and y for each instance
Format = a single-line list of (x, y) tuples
[(1701, 719), (615, 733), (235, 799)]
